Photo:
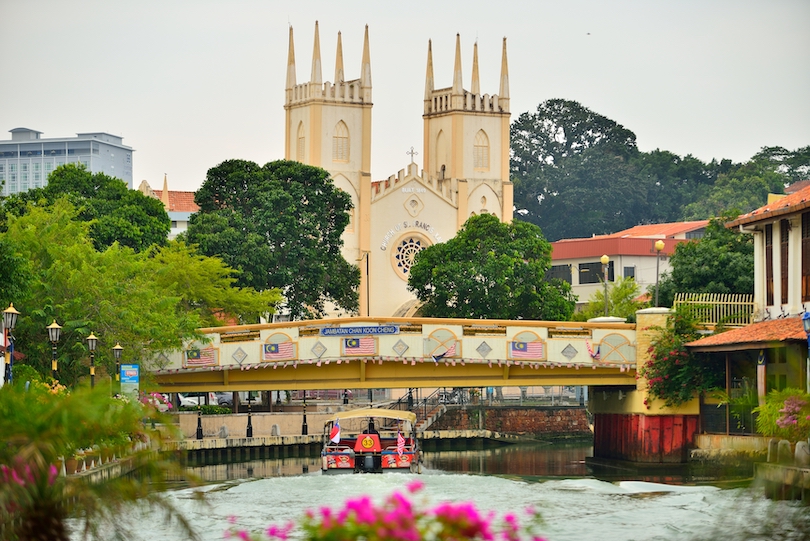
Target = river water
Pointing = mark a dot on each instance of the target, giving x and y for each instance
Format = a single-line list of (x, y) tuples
[(575, 502)]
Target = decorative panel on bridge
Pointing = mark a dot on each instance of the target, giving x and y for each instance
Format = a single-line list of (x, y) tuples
[(402, 352)]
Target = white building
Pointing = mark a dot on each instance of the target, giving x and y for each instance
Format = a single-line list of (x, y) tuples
[(27, 159)]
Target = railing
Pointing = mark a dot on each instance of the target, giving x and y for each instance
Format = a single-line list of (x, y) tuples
[(712, 309)]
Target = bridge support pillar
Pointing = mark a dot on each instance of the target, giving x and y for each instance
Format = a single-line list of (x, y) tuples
[(629, 424)]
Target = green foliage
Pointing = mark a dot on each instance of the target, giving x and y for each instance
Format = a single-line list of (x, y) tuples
[(42, 426), (149, 302), (673, 373), (623, 301), (15, 273), (490, 270), (115, 213), (785, 414), (721, 262), (208, 409), (280, 225)]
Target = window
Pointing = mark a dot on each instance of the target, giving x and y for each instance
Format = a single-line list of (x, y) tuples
[(630, 272), (561, 272), (340, 143), (300, 152), (481, 151), (769, 264), (591, 273), (784, 236)]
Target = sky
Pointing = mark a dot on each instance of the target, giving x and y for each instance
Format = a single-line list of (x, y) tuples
[(191, 83)]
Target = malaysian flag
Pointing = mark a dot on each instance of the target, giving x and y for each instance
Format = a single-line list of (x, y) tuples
[(359, 346), (526, 350), (400, 443), (275, 352), (450, 352), (201, 357)]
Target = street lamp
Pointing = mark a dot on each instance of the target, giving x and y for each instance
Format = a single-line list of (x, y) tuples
[(117, 349), (9, 322), (659, 245), (806, 325), (92, 342), (605, 260), (54, 331)]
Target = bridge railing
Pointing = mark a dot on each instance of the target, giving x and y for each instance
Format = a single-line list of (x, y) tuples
[(712, 309)]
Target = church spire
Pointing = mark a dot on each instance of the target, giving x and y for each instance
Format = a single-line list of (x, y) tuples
[(339, 61), (315, 77), (458, 86), (429, 73), (164, 196), (476, 86), (365, 71), (291, 62), (503, 93)]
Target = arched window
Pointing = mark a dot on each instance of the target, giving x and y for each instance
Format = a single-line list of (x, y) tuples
[(340, 143), (301, 148), (481, 151)]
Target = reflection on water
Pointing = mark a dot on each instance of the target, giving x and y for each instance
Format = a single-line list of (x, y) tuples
[(521, 460)]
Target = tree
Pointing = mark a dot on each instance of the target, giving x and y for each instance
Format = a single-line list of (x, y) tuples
[(721, 262), (568, 161), (116, 213), (149, 302), (490, 270), (623, 301), (280, 225)]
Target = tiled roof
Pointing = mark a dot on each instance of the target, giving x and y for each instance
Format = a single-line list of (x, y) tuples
[(794, 202), (659, 230), (753, 336), (182, 202)]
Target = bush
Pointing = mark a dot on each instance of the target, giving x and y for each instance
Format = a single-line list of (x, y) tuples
[(785, 414), (209, 409)]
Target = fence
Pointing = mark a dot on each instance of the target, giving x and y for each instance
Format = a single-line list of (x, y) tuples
[(712, 309)]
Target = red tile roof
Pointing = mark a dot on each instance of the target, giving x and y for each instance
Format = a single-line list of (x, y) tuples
[(659, 230), (182, 202), (756, 335), (794, 202)]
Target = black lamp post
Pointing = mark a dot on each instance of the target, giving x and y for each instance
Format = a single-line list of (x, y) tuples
[(249, 431), (117, 349), (92, 342), (659, 245), (304, 427), (806, 324), (605, 260), (54, 332), (9, 322)]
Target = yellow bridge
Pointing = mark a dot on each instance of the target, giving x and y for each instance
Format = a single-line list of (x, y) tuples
[(364, 353)]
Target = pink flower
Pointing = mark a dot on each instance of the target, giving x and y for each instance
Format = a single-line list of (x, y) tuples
[(414, 486)]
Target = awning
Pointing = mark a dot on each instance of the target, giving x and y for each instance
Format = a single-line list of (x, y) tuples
[(765, 334)]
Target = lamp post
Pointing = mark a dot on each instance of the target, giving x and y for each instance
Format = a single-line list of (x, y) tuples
[(806, 325), (92, 342), (659, 245), (117, 349), (54, 331), (9, 322), (304, 427), (249, 430), (605, 260)]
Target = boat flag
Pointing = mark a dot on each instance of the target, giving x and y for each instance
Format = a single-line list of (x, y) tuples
[(334, 435), (400, 443)]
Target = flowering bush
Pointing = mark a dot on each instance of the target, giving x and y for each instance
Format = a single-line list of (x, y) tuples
[(785, 414), (398, 519), (673, 374)]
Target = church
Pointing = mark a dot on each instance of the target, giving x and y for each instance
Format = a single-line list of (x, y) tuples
[(465, 170)]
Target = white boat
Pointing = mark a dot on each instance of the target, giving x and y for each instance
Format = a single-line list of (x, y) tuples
[(384, 442)]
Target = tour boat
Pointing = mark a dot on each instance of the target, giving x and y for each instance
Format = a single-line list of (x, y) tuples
[(371, 440)]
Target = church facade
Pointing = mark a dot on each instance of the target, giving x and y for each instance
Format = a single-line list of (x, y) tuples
[(465, 169)]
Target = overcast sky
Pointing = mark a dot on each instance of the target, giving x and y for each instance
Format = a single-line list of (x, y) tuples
[(189, 84)]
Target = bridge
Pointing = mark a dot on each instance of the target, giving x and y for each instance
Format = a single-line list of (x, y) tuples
[(372, 353), (366, 353)]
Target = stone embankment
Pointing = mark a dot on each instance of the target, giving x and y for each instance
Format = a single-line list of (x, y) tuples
[(543, 423)]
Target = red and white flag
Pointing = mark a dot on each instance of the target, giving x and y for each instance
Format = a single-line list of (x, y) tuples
[(400, 443), (334, 435)]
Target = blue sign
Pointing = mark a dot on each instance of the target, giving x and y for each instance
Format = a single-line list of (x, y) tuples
[(130, 379), (353, 331)]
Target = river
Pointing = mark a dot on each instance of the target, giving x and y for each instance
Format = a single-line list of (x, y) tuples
[(576, 503)]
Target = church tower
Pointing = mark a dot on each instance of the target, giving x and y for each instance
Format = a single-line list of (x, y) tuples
[(466, 139), (328, 125)]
